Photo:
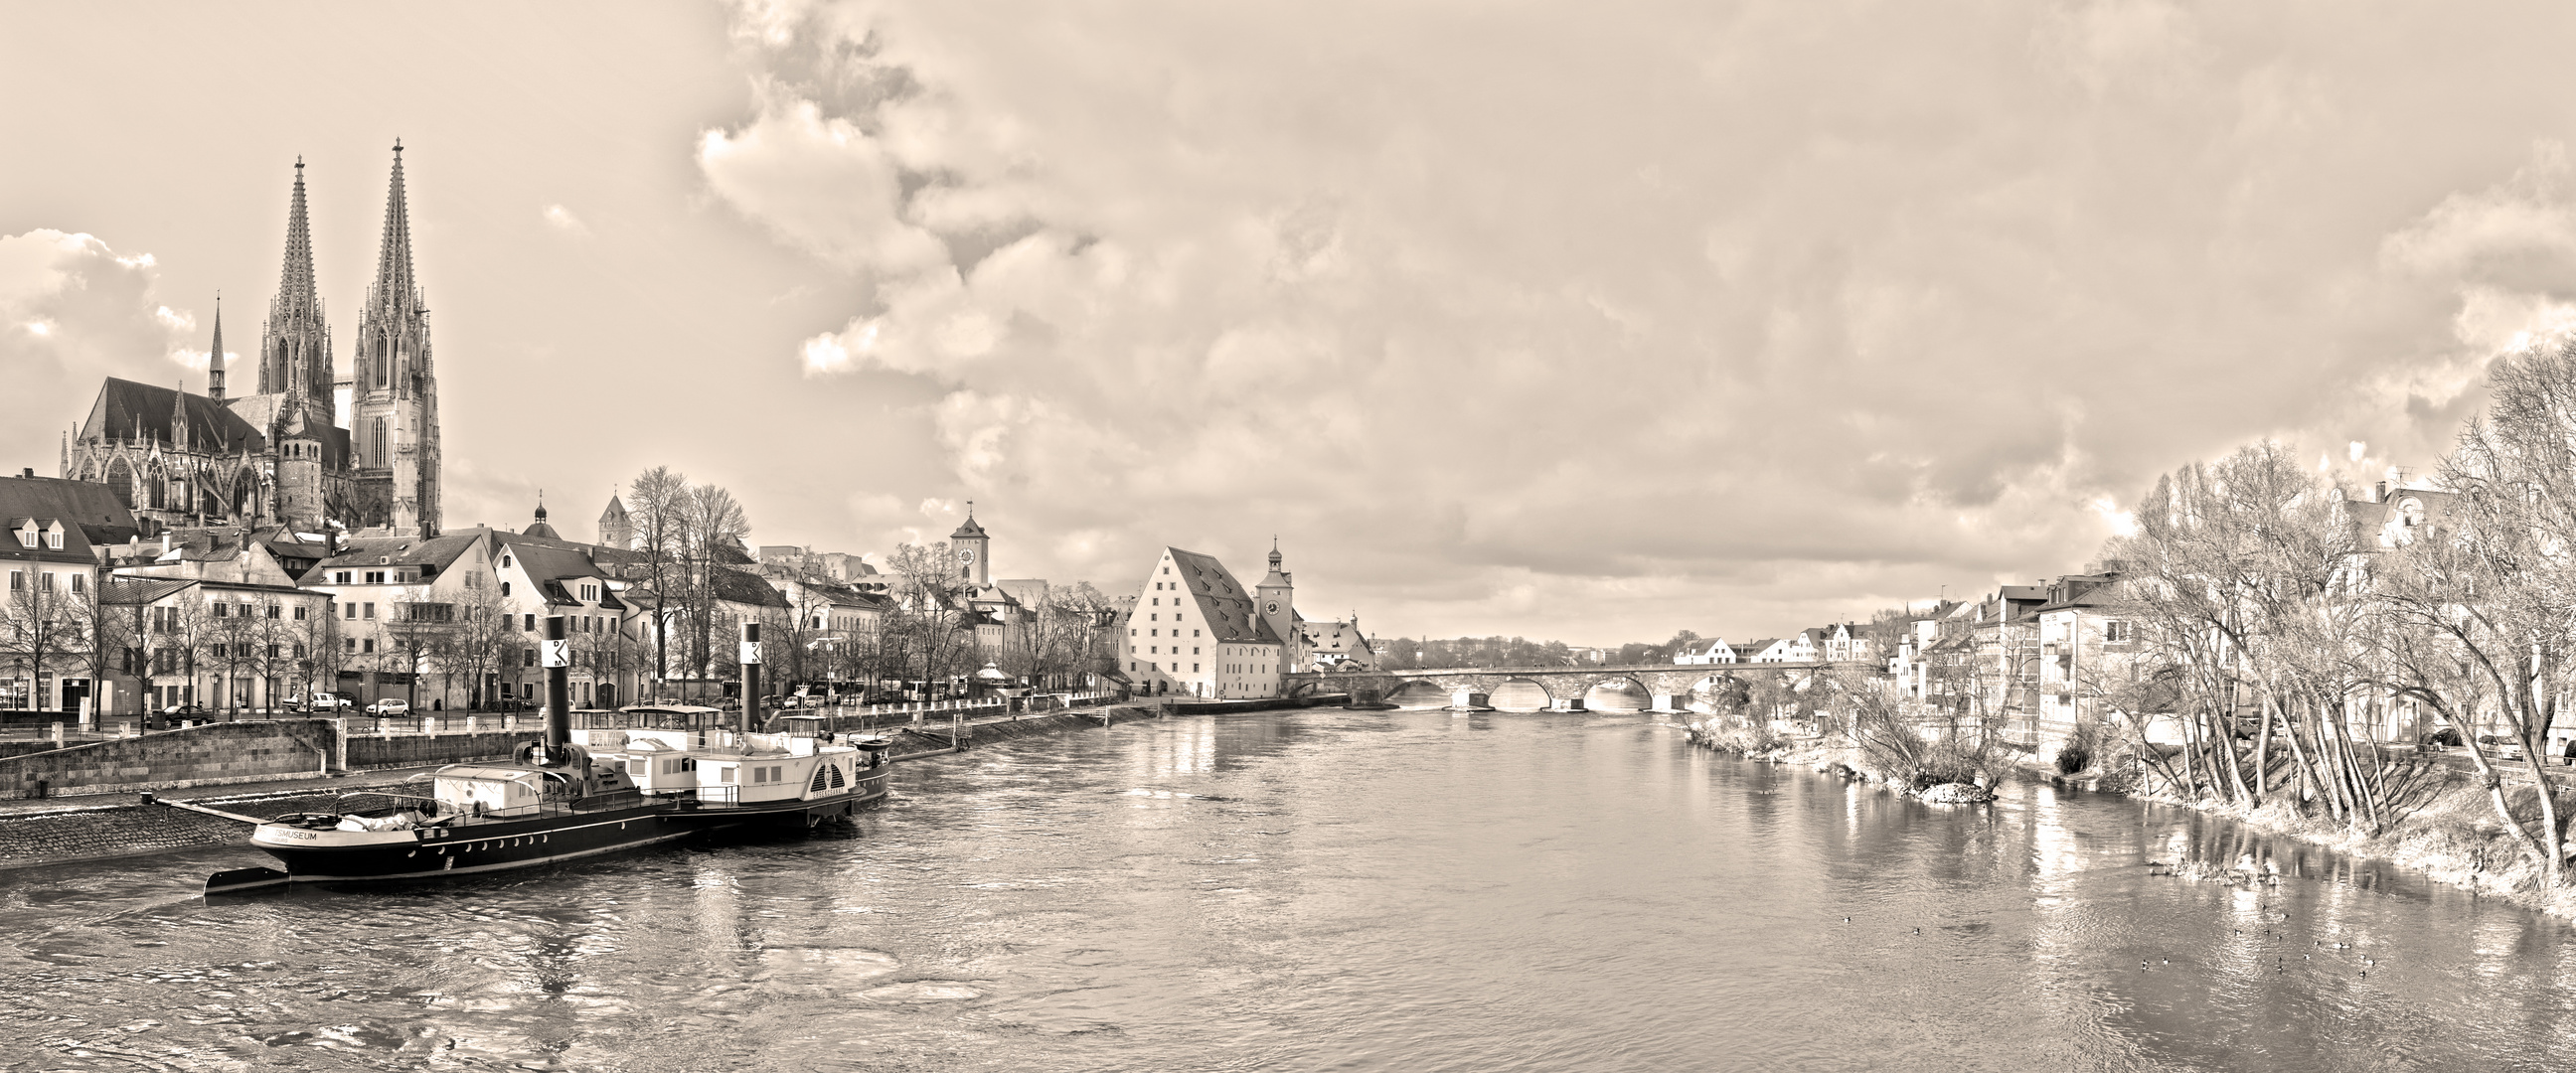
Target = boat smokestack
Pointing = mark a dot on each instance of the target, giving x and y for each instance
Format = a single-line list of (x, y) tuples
[(558, 660), (750, 677)]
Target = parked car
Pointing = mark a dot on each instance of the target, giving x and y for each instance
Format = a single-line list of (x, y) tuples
[(509, 704), (2506, 747), (2449, 736), (319, 701), (389, 708)]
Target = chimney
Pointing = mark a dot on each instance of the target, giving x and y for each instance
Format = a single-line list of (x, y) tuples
[(28, 473), (2382, 493)]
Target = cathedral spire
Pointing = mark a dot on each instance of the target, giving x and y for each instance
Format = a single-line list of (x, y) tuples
[(394, 383), (215, 358), (295, 346), (394, 289), (295, 292)]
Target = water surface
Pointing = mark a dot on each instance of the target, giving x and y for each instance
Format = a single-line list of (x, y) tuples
[(1320, 890)]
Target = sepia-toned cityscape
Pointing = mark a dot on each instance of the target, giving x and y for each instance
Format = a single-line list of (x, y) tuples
[(1858, 538)]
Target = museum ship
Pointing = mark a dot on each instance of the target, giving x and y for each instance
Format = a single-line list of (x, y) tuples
[(662, 773)]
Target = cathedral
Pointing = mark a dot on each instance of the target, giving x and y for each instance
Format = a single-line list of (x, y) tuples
[(282, 455)]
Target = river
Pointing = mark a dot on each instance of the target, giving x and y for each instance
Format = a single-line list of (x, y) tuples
[(1321, 889)]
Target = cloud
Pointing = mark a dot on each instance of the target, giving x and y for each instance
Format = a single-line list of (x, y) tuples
[(73, 310), (562, 219), (1737, 308)]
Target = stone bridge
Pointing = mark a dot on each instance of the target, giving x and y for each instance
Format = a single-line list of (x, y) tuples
[(1623, 687)]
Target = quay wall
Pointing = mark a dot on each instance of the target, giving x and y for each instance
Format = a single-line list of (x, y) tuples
[(210, 755), (369, 753)]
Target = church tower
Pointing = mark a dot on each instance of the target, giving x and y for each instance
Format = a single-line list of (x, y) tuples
[(300, 499), (1277, 602), (974, 550), (616, 530), (394, 386), (295, 344)]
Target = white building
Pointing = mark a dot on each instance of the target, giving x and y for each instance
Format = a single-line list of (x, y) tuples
[(1710, 651), (1196, 631)]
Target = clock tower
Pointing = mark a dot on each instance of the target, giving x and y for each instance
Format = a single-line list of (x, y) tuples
[(1276, 601), (974, 550)]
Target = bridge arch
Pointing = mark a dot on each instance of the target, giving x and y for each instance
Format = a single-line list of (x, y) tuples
[(1618, 693), (1419, 693), (1520, 695)]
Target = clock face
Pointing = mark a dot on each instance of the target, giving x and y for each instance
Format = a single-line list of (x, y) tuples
[(967, 555), (1271, 608)]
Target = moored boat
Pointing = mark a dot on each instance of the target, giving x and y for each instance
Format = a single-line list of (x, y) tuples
[(557, 804), (719, 777), (551, 802)]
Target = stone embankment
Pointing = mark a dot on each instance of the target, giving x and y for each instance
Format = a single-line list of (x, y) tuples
[(212, 755)]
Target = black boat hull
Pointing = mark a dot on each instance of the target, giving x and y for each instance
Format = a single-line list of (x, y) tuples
[(492, 845)]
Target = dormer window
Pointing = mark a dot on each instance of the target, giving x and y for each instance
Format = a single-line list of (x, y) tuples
[(27, 536), (54, 537)]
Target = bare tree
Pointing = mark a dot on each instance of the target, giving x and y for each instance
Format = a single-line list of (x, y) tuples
[(712, 529), (2484, 603), (931, 622), (121, 623), (658, 509), (318, 651), (416, 628), (481, 640), (41, 626)]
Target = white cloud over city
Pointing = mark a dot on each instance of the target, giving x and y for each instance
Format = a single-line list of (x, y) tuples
[(1566, 322), (72, 309), (1726, 313)]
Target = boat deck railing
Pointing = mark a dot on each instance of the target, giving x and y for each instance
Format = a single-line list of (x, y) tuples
[(446, 813)]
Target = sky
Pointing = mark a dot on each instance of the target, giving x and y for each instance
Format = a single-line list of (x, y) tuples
[(1557, 320)]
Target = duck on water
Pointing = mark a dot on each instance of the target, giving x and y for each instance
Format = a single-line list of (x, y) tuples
[(672, 775)]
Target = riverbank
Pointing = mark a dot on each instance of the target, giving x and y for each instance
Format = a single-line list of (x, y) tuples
[(2452, 836), (1843, 761)]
